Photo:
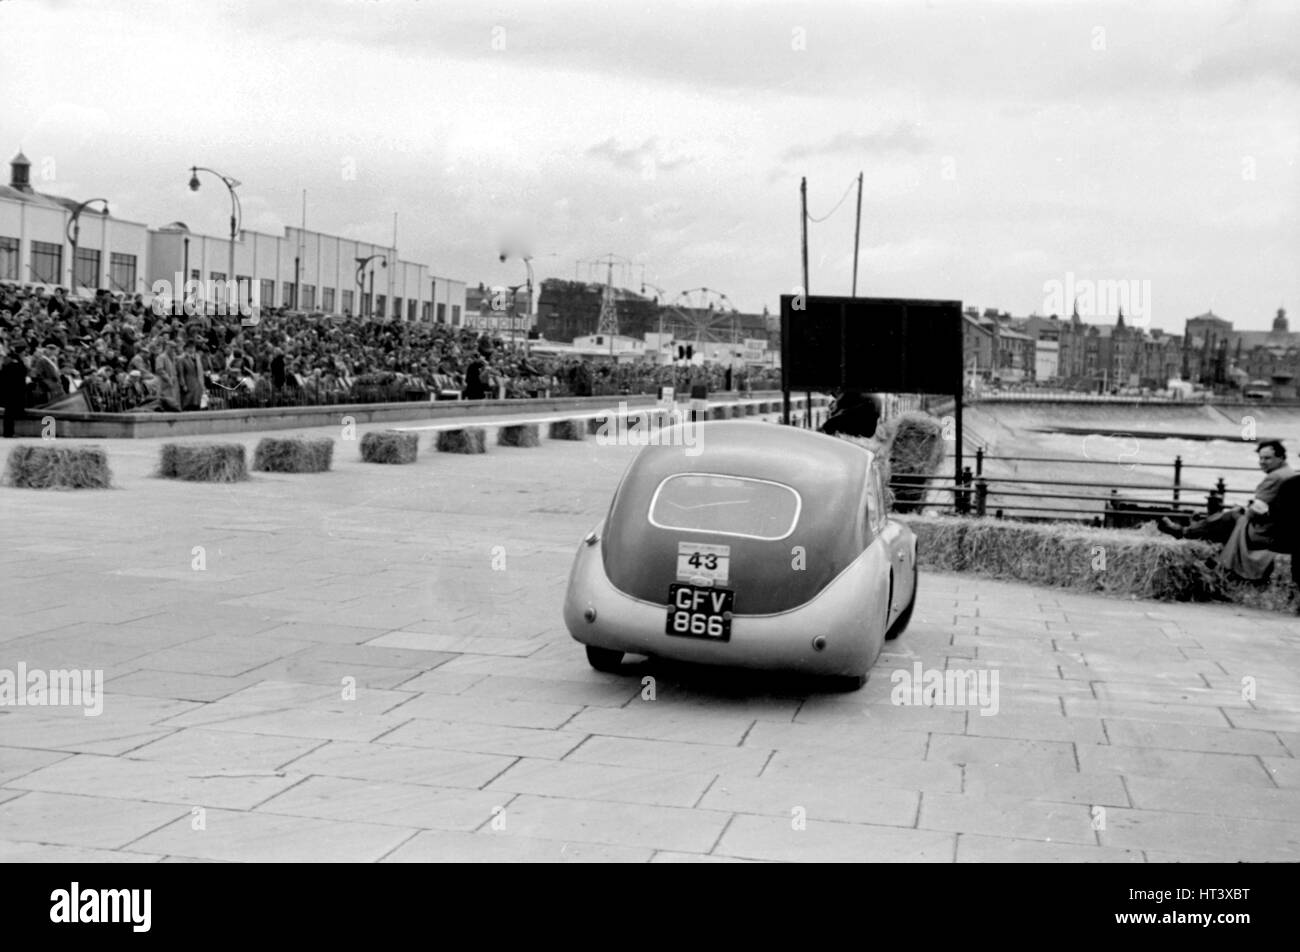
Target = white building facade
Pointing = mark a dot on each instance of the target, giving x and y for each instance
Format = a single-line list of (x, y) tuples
[(301, 270), (35, 247)]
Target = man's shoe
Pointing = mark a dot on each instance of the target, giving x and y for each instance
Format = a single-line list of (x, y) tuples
[(1169, 527)]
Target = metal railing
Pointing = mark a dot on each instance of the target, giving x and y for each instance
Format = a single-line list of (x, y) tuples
[(978, 493)]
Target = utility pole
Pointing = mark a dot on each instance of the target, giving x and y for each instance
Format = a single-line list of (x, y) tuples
[(857, 231), (803, 222)]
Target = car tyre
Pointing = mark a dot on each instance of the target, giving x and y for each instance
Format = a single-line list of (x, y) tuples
[(901, 622), (847, 683), (605, 659)]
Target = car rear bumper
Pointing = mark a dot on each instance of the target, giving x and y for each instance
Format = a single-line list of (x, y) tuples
[(849, 614)]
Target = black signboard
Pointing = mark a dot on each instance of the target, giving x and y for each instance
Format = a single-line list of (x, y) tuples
[(878, 345)]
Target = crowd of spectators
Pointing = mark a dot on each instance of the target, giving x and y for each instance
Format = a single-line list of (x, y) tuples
[(122, 355)]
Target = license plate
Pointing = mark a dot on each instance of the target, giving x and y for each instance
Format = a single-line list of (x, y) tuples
[(696, 611)]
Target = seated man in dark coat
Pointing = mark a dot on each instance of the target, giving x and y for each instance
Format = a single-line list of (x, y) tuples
[(854, 414), (1244, 531)]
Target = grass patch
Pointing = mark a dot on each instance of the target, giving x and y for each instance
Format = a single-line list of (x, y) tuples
[(390, 446), (522, 435), (203, 462), (470, 439), (58, 467), (294, 455)]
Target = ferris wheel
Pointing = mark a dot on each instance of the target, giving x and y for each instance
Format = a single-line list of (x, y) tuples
[(703, 314)]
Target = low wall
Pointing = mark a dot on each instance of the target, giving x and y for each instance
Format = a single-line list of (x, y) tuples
[(204, 422), (1118, 562)]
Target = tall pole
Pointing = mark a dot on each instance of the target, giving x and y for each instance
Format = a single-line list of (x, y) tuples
[(857, 232), (231, 275), (803, 221), (297, 262), (392, 276)]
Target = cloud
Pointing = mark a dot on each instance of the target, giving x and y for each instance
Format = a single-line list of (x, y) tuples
[(901, 137), (646, 156)]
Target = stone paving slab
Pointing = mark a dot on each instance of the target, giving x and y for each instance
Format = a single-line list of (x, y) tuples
[(349, 678)]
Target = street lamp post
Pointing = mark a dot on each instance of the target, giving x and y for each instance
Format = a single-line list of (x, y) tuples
[(361, 287), (74, 232), (236, 212)]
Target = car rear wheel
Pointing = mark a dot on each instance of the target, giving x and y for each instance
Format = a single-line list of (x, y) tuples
[(847, 683), (900, 623), (605, 659)]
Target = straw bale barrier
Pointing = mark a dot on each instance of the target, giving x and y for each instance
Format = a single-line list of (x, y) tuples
[(203, 462), (298, 454), (390, 446), (523, 435), (567, 430), (1120, 562), (470, 439), (58, 467)]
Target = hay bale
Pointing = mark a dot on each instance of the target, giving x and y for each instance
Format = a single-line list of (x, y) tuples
[(718, 413), (58, 467), (470, 439), (203, 462), (1101, 561), (567, 430), (390, 446), (297, 454), (749, 409), (522, 435), (916, 450), (594, 424)]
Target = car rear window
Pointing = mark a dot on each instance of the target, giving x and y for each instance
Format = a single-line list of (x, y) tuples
[(726, 505)]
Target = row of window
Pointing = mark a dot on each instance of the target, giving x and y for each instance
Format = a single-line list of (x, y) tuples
[(46, 266)]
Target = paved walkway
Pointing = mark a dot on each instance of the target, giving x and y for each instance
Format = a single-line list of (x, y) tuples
[(370, 665)]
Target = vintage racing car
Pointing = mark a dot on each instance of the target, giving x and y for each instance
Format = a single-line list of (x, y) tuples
[(772, 547)]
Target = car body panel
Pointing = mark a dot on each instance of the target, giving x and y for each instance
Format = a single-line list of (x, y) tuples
[(818, 599)]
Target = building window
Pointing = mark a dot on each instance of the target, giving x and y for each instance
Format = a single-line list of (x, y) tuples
[(8, 259), (327, 300), (397, 307), (442, 313), (121, 272), (85, 270), (288, 297), (268, 293), (455, 315), (347, 302), (47, 262), (380, 301), (308, 297), (196, 274), (243, 289), (410, 309)]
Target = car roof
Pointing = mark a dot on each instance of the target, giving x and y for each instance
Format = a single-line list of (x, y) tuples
[(828, 472)]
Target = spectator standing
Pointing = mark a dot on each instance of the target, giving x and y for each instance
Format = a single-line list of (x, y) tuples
[(46, 385), (13, 386), (190, 369), (164, 368)]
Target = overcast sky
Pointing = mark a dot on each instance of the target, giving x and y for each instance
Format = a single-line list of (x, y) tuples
[(1004, 145)]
